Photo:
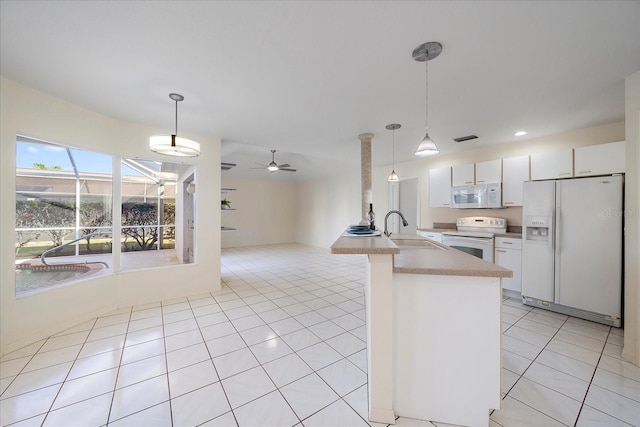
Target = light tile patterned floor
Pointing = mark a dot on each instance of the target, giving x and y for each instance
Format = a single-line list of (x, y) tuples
[(284, 344)]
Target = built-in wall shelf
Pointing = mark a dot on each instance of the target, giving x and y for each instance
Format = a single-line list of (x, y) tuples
[(225, 167)]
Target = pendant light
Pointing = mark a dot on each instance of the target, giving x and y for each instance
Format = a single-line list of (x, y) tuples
[(173, 145), (393, 176), (424, 53)]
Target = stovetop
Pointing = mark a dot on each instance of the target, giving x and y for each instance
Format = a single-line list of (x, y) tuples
[(481, 224)]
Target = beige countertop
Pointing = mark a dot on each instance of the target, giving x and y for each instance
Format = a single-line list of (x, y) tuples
[(512, 235), (427, 258), (364, 245)]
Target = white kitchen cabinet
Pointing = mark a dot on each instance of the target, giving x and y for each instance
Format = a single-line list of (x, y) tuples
[(463, 174), (552, 165), (433, 235), (508, 254), (440, 187), (601, 159), (515, 171), (489, 171)]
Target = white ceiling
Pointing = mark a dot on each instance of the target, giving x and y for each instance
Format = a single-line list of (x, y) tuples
[(307, 77)]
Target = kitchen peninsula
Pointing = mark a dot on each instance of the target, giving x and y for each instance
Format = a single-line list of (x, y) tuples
[(429, 309)]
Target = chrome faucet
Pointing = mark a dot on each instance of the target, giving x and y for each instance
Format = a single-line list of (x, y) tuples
[(404, 222)]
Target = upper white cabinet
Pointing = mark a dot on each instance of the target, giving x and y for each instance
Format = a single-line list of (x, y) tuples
[(478, 173), (463, 174), (552, 165), (490, 171), (440, 188), (515, 171), (601, 159)]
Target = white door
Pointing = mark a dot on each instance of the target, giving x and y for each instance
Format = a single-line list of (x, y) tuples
[(409, 204), (188, 210)]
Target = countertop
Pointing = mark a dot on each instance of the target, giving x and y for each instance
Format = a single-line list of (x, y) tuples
[(364, 245), (443, 230), (512, 235), (434, 258)]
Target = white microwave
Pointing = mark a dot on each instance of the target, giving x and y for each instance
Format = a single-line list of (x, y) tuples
[(479, 196)]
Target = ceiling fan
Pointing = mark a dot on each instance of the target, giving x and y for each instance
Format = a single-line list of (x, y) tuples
[(274, 167)]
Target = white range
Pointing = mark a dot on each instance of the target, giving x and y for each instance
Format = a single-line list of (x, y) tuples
[(475, 235)]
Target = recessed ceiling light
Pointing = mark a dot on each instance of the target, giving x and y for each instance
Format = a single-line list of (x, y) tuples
[(520, 133)]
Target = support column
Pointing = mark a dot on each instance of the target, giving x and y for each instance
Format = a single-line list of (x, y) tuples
[(379, 312), (365, 173)]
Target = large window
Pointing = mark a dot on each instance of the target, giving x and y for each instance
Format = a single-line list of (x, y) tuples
[(149, 212), (65, 208)]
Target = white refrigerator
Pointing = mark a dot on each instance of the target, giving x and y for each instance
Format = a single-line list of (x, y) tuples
[(572, 247)]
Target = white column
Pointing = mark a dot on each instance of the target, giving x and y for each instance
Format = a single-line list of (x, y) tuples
[(365, 173), (379, 303)]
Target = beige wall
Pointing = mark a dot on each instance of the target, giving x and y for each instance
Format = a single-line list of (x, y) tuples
[(632, 222), (326, 207), (265, 212), (38, 115)]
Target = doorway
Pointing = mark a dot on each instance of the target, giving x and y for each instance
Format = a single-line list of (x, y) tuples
[(403, 196), (189, 224)]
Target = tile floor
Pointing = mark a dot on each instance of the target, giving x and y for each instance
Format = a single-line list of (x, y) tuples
[(284, 344)]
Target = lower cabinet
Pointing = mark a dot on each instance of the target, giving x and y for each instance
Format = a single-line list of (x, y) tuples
[(508, 254)]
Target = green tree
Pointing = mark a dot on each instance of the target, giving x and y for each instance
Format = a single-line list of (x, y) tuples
[(57, 215), (169, 219), (135, 215), (26, 217), (92, 216), (44, 167), (43, 214)]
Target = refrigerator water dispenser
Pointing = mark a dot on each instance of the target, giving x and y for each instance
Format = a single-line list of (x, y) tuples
[(537, 228)]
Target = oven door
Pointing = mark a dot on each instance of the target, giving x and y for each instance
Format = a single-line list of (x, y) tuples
[(481, 247)]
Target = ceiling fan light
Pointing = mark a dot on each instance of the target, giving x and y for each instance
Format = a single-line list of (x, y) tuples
[(393, 177), (272, 167), (173, 145), (426, 147)]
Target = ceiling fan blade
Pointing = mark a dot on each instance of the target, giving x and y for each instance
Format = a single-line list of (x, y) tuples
[(287, 170), (264, 166), (257, 168), (284, 165)]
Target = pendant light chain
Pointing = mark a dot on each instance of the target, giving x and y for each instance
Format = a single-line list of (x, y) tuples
[(393, 176), (176, 116), (426, 96), (393, 148)]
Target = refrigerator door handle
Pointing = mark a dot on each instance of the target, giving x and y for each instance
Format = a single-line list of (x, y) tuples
[(552, 231), (556, 250)]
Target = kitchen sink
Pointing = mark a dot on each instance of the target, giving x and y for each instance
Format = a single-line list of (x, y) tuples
[(414, 243)]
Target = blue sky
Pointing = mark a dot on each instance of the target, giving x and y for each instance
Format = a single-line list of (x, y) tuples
[(50, 155)]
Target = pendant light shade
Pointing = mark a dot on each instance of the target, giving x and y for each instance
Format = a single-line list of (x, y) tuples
[(173, 145), (424, 53), (393, 176), (427, 147)]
